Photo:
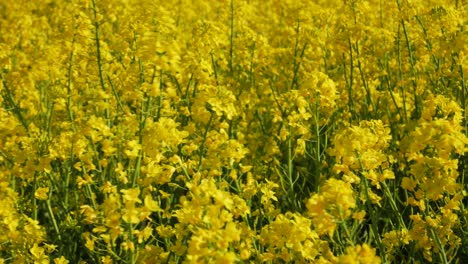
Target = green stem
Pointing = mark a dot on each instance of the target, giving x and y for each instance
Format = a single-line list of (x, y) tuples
[(393, 205), (374, 220), (98, 55), (442, 255), (34, 197), (202, 145), (49, 208), (116, 95), (400, 76), (98, 46), (16, 108), (231, 38)]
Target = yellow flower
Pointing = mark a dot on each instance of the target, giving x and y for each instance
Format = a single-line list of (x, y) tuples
[(408, 184), (61, 260), (162, 135), (128, 246), (89, 241), (222, 102), (34, 230), (340, 194), (290, 235), (267, 192), (108, 188), (226, 258), (131, 214), (42, 193), (320, 91), (106, 260), (133, 149), (232, 233), (322, 220), (108, 147), (395, 238), (373, 197), (50, 247), (39, 255), (121, 173), (89, 213), (151, 204), (359, 216), (359, 254), (144, 234), (131, 195)]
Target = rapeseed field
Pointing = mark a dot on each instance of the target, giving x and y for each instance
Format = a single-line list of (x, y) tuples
[(233, 131)]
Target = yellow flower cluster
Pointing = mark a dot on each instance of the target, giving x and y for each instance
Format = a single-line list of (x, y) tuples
[(233, 131), (332, 204)]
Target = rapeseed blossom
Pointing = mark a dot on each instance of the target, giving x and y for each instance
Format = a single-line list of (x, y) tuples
[(233, 131)]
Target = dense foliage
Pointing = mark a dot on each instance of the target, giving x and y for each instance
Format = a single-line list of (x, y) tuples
[(233, 131)]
